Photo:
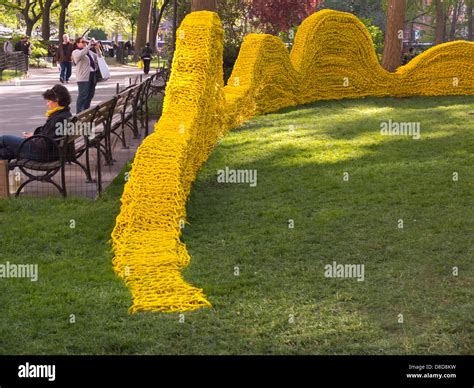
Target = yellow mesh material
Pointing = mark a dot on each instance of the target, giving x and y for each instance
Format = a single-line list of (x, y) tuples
[(332, 58), (148, 252)]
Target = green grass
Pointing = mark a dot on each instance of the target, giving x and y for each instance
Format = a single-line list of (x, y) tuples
[(154, 63), (155, 106), (7, 75), (300, 176)]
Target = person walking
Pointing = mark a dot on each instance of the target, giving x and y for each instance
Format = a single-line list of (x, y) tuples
[(64, 58), (86, 66), (146, 58), (8, 47)]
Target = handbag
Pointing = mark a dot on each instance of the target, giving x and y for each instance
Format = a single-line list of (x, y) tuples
[(104, 69)]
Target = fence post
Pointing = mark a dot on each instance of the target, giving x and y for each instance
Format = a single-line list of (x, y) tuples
[(4, 189)]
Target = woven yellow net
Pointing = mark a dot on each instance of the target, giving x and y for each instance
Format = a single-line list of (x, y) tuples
[(332, 58)]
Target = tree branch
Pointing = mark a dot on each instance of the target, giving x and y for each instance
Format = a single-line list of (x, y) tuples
[(416, 17), (10, 5)]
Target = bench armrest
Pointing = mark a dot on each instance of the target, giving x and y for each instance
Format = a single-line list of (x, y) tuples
[(46, 138)]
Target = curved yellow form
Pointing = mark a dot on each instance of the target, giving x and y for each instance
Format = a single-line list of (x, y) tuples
[(332, 58), (148, 252)]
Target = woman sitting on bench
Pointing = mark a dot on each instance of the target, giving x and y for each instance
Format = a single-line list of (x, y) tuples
[(39, 149)]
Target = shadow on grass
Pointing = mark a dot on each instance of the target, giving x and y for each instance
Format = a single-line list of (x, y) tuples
[(354, 221)]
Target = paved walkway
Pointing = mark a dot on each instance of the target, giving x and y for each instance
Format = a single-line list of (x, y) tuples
[(22, 108)]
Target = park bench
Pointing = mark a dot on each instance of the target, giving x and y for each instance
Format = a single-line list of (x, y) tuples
[(132, 107), (159, 81), (70, 148), (131, 83), (92, 130), (138, 108), (142, 105), (96, 121), (103, 119), (123, 116), (46, 169)]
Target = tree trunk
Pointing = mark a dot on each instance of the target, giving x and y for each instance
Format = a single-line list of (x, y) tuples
[(156, 23), (203, 5), (30, 21), (142, 24), (454, 21), (29, 27), (175, 23), (470, 32), (393, 45), (440, 30), (151, 22), (175, 27), (45, 24), (62, 18), (62, 23), (133, 31)]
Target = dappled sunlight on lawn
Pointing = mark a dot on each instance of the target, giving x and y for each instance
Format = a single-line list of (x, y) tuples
[(341, 135), (302, 156)]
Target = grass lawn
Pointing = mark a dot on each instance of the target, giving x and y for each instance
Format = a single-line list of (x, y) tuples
[(154, 63), (7, 75), (280, 302)]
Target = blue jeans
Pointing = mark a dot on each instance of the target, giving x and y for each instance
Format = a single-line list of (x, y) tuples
[(66, 70), (86, 93), (9, 146)]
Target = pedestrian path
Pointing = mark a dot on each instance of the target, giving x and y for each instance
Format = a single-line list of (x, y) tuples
[(22, 107)]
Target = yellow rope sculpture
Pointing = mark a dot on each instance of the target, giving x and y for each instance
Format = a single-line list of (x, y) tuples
[(332, 58)]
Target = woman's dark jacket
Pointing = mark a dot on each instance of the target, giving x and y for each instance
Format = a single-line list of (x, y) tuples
[(55, 126)]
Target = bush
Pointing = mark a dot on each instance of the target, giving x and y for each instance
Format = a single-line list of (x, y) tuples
[(231, 52), (377, 36), (39, 49), (288, 37)]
